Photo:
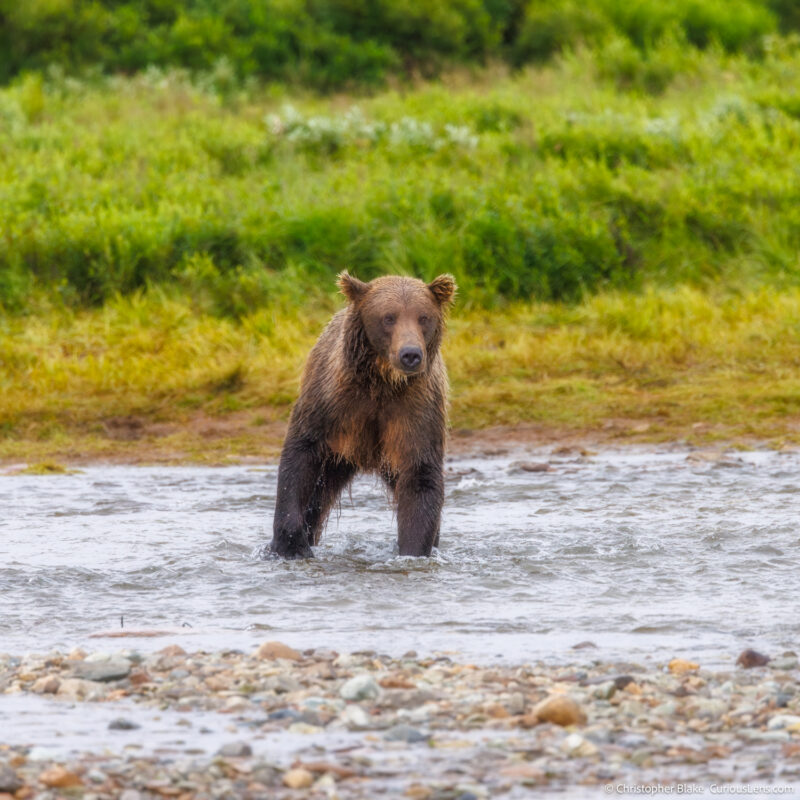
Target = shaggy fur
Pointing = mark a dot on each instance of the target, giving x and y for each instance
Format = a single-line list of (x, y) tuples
[(373, 398)]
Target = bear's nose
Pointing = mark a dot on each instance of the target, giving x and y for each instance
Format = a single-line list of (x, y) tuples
[(410, 357)]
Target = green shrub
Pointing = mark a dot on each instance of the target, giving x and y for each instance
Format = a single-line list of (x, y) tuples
[(333, 44), (547, 184)]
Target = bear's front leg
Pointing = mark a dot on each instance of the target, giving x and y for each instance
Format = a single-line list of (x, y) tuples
[(298, 474), (420, 496)]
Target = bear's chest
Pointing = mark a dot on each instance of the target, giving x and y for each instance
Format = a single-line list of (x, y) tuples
[(370, 440)]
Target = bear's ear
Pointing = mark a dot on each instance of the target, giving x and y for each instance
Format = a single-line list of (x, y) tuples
[(444, 289), (352, 288)]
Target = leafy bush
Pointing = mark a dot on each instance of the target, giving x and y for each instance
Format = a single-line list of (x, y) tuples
[(334, 44), (548, 184)]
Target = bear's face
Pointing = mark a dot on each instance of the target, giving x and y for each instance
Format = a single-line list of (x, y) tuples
[(402, 317)]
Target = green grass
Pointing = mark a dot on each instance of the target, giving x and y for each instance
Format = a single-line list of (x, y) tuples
[(149, 378), (548, 185), (623, 223)]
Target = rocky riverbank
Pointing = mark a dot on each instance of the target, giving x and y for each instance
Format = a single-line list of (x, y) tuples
[(279, 723)]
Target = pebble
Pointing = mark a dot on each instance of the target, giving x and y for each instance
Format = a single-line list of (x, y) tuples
[(784, 662), (49, 684), (9, 780), (273, 650), (464, 731), (235, 750), (298, 779), (405, 733), (360, 687), (560, 710), (679, 666), (577, 747), (788, 721), (111, 669), (355, 718), (122, 724), (605, 691), (751, 658), (57, 777)]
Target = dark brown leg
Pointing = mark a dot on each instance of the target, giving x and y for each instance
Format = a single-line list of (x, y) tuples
[(420, 495), (333, 478), (298, 473)]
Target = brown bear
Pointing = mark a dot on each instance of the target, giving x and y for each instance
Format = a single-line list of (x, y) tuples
[(373, 398)]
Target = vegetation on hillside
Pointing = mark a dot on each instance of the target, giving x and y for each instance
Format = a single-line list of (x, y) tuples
[(623, 218), (332, 44), (546, 185)]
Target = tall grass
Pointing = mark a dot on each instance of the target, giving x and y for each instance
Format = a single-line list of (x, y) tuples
[(662, 364), (546, 185)]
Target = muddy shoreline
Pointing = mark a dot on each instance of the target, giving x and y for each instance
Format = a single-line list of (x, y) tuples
[(232, 439), (322, 724)]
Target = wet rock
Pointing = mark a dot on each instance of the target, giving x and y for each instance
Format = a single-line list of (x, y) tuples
[(172, 651), (751, 658), (530, 466), (282, 684), (235, 750), (709, 707), (782, 699), (59, 778), (560, 710), (179, 674), (360, 687), (788, 722), (355, 718), (584, 646), (138, 677), (122, 724), (605, 691), (516, 703), (401, 698), (269, 651), (298, 779), (524, 773), (405, 733), (76, 688), (755, 735), (575, 746), (233, 704), (48, 684), (784, 662), (680, 666), (284, 713), (631, 740), (620, 681), (10, 782), (667, 709), (305, 728), (112, 669)]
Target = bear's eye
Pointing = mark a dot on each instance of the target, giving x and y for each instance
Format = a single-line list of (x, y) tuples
[(423, 320), (389, 319)]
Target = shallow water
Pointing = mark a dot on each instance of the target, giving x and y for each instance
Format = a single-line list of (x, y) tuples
[(645, 554)]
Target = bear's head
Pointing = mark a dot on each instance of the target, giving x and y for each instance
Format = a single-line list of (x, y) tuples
[(402, 318)]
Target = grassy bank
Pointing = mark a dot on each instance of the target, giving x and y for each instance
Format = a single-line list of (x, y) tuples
[(623, 223), (570, 179), (148, 378)]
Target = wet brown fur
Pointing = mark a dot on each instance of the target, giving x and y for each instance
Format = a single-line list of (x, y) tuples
[(361, 408)]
